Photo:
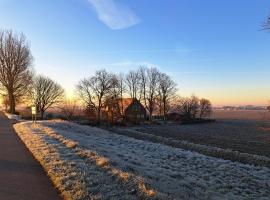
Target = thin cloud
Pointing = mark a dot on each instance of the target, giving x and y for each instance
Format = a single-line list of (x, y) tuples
[(132, 64), (151, 51), (114, 14), (126, 65)]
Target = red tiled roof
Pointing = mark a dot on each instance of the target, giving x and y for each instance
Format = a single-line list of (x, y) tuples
[(124, 103)]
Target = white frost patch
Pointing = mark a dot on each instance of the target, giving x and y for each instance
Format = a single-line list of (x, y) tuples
[(178, 173)]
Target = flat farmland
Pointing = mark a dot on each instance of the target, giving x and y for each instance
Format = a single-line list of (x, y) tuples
[(257, 115), (243, 131)]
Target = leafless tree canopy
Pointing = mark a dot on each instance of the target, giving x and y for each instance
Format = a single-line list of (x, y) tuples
[(166, 92), (94, 90), (132, 82), (15, 62), (69, 108), (103, 91), (189, 107), (205, 108), (114, 107), (148, 81), (152, 88), (122, 89), (194, 107), (142, 83), (46, 94)]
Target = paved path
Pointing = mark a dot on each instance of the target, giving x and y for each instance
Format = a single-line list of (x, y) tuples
[(21, 176)]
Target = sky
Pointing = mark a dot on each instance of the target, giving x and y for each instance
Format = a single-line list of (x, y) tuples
[(213, 49)]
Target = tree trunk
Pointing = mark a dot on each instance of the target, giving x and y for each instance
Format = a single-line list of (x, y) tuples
[(98, 116), (150, 116), (201, 113), (164, 114), (42, 114), (12, 104), (164, 109)]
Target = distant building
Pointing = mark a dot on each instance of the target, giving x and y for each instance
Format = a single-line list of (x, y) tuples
[(229, 108), (127, 109), (247, 107)]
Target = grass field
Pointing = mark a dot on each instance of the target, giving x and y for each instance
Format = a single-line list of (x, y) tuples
[(241, 131), (90, 163)]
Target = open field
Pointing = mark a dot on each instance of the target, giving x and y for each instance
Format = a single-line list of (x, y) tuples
[(91, 163), (243, 131), (255, 115), (245, 136)]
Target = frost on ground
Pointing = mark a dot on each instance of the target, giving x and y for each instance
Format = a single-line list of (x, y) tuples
[(227, 154), (103, 165)]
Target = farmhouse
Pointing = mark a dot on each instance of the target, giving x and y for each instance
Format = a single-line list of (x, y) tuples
[(127, 109)]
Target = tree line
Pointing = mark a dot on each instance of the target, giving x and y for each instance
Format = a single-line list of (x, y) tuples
[(156, 90), (148, 85), (17, 80)]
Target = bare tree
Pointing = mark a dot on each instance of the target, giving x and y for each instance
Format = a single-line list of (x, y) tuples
[(132, 82), (93, 90), (122, 89), (142, 72), (46, 94), (15, 62), (183, 107), (189, 107), (149, 88), (69, 108), (112, 99), (195, 106), (166, 91), (205, 108)]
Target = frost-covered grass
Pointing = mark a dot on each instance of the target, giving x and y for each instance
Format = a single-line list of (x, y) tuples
[(56, 161), (208, 150), (111, 166), (245, 136), (87, 175)]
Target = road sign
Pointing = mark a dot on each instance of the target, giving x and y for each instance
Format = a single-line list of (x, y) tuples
[(34, 110), (34, 114)]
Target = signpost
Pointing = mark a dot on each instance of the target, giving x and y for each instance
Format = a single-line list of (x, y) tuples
[(34, 114)]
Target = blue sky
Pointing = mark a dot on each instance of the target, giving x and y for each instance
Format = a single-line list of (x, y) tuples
[(211, 48)]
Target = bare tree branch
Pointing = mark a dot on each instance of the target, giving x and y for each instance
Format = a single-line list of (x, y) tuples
[(132, 82), (205, 108), (15, 71), (166, 92), (94, 90), (189, 107), (149, 78), (46, 94)]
